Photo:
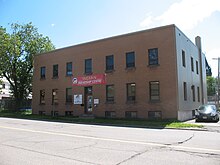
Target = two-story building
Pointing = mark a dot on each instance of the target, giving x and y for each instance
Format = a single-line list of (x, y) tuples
[(4, 89), (154, 73)]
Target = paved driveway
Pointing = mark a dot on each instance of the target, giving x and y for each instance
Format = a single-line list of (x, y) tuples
[(211, 126)]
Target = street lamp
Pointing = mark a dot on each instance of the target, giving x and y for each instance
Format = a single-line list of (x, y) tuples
[(218, 79)]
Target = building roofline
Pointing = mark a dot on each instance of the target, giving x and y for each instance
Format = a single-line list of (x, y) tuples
[(186, 36), (108, 38)]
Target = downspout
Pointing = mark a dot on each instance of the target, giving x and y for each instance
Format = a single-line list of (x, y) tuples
[(199, 46)]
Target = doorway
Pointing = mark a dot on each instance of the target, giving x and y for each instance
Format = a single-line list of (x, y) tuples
[(88, 100)]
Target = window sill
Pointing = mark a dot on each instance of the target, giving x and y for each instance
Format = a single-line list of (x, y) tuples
[(131, 102), (88, 74), (55, 77), (153, 66), (109, 71), (70, 75), (110, 102), (130, 69), (154, 101)]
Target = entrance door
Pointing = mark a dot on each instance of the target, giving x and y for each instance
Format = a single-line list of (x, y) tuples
[(88, 100)]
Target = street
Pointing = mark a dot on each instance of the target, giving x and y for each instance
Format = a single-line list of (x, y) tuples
[(25, 142)]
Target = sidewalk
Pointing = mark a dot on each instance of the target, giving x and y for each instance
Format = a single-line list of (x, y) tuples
[(209, 126)]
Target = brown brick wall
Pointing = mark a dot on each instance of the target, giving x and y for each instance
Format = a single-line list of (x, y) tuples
[(139, 42)]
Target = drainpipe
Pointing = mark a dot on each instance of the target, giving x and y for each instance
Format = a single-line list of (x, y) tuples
[(199, 46)]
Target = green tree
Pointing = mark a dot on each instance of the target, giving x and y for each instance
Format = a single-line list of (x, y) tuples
[(17, 50), (211, 85), (0, 84)]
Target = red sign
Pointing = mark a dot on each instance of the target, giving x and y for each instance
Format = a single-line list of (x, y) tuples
[(89, 80)]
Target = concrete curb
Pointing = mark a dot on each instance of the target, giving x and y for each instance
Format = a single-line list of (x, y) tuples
[(147, 127)]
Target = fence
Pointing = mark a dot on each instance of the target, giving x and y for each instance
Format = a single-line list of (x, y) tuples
[(9, 104), (213, 99)]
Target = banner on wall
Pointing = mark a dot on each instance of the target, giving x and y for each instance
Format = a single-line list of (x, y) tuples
[(89, 80)]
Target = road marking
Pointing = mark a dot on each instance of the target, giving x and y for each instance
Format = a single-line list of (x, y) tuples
[(114, 140)]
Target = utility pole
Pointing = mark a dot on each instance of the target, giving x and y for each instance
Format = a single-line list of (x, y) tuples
[(218, 80)]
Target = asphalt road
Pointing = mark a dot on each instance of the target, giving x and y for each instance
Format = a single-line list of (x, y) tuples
[(26, 142)]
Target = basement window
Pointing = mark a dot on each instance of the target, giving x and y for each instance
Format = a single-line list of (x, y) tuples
[(154, 115), (131, 114), (110, 114)]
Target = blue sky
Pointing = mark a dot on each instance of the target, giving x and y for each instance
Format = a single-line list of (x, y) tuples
[(70, 22)]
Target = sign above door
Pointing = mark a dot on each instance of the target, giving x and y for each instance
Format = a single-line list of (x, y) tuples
[(89, 80)]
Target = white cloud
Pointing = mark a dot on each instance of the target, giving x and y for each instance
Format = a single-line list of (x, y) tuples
[(52, 25), (147, 21), (185, 14)]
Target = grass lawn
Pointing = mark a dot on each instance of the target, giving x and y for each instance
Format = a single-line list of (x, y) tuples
[(101, 121)]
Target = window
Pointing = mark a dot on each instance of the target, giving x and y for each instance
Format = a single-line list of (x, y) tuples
[(109, 63), (154, 115), (68, 95), (42, 96), (183, 58), (43, 72), (69, 69), (110, 93), (154, 91), (3, 86), (68, 113), (42, 113), (110, 114), (54, 113), (55, 71), (197, 67), (88, 66), (131, 90), (184, 91), (153, 56), (198, 93), (130, 60), (193, 93), (131, 114), (192, 65), (55, 96)]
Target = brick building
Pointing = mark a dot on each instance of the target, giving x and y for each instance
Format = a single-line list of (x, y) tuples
[(155, 73)]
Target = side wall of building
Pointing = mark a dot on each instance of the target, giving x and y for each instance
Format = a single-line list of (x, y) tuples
[(189, 76)]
